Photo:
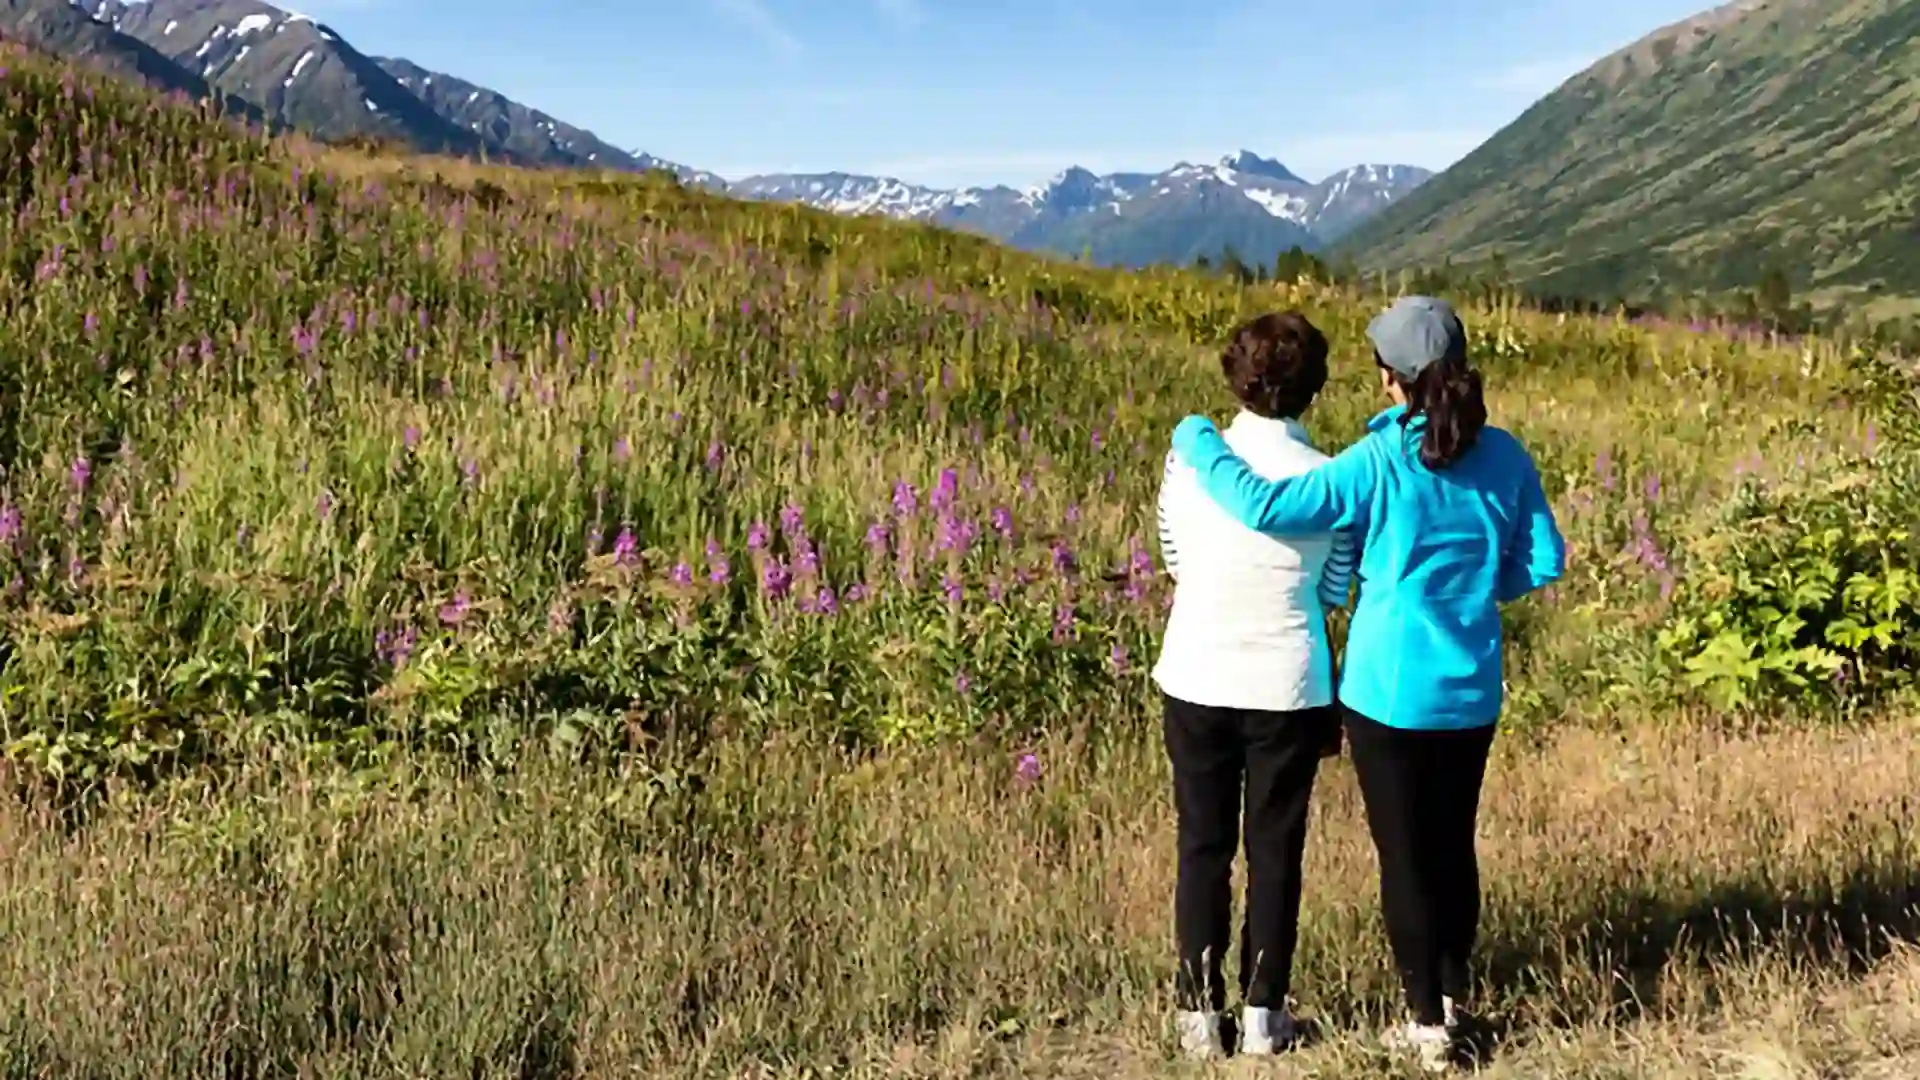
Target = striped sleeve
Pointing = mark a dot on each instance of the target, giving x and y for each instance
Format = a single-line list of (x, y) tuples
[(1337, 578), (1169, 555)]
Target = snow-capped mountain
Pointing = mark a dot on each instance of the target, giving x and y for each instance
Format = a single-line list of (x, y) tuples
[(1130, 218), (290, 70)]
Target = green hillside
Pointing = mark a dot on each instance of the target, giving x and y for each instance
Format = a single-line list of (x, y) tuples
[(1772, 133)]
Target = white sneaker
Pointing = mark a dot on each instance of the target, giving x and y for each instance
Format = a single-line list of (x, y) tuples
[(1199, 1034), (1266, 1031), (1432, 1044), (1453, 1015)]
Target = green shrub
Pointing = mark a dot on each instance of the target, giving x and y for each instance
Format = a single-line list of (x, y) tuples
[(1808, 586)]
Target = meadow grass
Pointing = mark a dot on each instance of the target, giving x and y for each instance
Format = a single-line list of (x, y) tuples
[(1657, 905), (461, 622)]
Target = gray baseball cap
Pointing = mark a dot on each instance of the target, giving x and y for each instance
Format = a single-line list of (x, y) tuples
[(1415, 332)]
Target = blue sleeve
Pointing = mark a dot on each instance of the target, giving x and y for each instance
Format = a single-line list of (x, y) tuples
[(1335, 495), (1537, 556)]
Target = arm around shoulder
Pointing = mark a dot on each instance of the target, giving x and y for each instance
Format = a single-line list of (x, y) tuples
[(1332, 496)]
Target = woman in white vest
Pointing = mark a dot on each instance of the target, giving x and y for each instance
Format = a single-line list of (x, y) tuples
[(1248, 684)]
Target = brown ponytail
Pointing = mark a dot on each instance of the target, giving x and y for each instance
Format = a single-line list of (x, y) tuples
[(1447, 393)]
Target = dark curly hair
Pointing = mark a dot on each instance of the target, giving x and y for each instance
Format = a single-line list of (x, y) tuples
[(1276, 364)]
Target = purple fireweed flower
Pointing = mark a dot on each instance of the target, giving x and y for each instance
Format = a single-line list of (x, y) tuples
[(1117, 659), (1063, 623), (827, 602), (410, 437), (11, 524), (792, 519), (719, 571), (1652, 487), (878, 537), (955, 536), (962, 685), (1062, 556), (454, 612), (906, 500), (716, 454), (806, 559), (1140, 563), (1073, 514), (856, 592), (1002, 522), (80, 473), (1027, 769), (325, 506), (775, 580), (626, 548), (681, 575), (395, 646), (758, 536), (951, 586), (945, 490), (996, 590)]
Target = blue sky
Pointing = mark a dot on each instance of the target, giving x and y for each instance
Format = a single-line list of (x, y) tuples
[(953, 92)]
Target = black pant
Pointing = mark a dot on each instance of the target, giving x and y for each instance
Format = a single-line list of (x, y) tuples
[(1273, 756), (1422, 791)]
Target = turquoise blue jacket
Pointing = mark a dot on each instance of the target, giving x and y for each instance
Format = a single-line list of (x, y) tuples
[(1441, 551)]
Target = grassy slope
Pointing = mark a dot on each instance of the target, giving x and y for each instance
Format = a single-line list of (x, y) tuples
[(327, 398), (1778, 137)]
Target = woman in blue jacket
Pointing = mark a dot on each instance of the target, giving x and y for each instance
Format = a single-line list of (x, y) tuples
[(1452, 522)]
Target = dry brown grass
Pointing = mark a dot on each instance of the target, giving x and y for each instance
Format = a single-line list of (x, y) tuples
[(1657, 906)]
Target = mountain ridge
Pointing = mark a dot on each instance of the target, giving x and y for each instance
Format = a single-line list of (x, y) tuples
[(1759, 136), (294, 71), (1126, 218)]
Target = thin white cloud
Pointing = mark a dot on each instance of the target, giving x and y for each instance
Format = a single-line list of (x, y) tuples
[(1532, 78), (900, 12), (757, 19)]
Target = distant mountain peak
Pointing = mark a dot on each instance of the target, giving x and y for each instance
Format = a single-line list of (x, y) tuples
[(1246, 161)]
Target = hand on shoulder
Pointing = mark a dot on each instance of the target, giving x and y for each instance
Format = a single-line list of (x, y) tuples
[(1190, 432)]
